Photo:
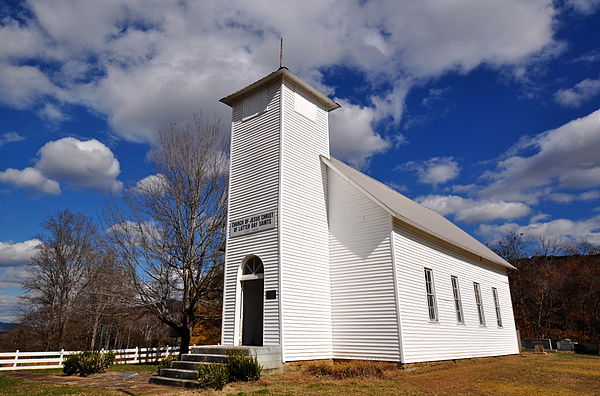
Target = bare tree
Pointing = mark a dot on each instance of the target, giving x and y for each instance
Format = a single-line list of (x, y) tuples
[(169, 230), (60, 272), (106, 298)]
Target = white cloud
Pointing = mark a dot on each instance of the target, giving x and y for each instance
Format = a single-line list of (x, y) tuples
[(31, 180), (134, 231), (568, 198), (13, 271), (13, 277), (538, 217), (434, 171), (474, 211), (560, 229), (21, 86), (590, 56), (584, 6), (564, 158), (581, 92), (152, 183), (16, 254), (143, 65), (52, 113), (10, 137), (352, 134), (9, 308), (86, 164)]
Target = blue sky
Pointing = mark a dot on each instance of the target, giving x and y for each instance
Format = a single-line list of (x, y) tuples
[(487, 112)]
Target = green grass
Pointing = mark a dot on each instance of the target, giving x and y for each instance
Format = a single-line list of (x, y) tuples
[(19, 387)]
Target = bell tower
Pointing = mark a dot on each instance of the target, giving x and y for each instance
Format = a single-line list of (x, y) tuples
[(277, 275)]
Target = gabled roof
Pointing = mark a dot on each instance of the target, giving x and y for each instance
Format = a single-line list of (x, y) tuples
[(412, 213), (285, 72)]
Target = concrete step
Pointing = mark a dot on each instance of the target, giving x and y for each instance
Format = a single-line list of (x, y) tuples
[(219, 350), (271, 371), (179, 373), (184, 383), (186, 365), (209, 358), (189, 365)]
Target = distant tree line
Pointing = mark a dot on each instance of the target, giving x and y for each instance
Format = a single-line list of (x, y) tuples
[(153, 275), (556, 287)]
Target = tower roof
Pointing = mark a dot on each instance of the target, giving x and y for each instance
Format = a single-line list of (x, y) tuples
[(414, 214), (281, 72)]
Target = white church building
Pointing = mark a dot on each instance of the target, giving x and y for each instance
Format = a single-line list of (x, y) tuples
[(324, 262)]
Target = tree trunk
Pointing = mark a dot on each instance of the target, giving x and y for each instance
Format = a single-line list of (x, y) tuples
[(185, 335), (94, 332)]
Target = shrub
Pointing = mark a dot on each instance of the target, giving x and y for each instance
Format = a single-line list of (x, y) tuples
[(213, 375), (352, 369), (166, 362), (88, 362), (243, 367), (71, 364)]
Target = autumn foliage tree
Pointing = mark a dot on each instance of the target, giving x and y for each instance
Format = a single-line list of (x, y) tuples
[(556, 287)]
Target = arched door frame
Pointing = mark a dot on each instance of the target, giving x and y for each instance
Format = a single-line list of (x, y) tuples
[(253, 275)]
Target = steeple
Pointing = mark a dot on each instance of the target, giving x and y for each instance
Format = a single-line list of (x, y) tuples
[(278, 216)]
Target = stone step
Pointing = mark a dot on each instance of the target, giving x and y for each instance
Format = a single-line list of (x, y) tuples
[(209, 358), (179, 373), (184, 383)]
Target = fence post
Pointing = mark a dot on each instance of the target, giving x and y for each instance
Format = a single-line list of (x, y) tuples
[(136, 355), (167, 351), (16, 358), (62, 356)]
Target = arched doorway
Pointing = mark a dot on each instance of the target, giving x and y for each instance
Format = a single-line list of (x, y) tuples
[(252, 280)]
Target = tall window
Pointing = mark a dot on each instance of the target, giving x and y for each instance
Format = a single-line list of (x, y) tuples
[(479, 303), (497, 304), (430, 289), (457, 301)]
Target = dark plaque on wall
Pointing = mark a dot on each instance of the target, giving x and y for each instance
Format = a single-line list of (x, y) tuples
[(271, 294)]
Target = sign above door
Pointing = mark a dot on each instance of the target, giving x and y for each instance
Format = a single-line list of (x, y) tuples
[(255, 223)]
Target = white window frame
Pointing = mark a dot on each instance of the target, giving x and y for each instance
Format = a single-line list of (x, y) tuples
[(304, 105), (460, 313), (430, 296), (254, 271), (497, 305), (479, 303)]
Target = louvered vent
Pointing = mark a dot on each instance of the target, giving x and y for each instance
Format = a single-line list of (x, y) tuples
[(255, 104)]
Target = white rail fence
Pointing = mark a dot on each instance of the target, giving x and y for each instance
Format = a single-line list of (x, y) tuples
[(44, 360)]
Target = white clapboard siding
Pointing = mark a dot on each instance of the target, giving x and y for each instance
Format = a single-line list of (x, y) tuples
[(254, 189), (364, 311), (423, 340), (306, 311)]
